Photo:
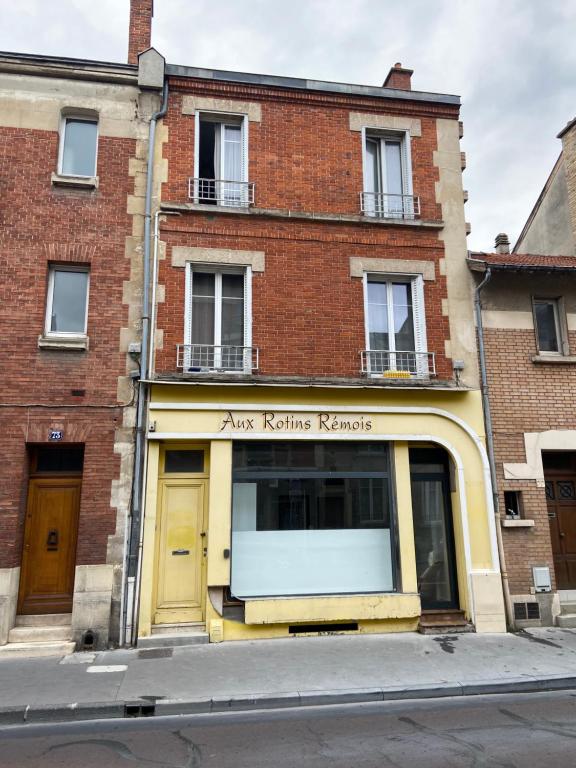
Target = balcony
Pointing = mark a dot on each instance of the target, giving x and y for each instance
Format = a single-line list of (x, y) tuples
[(208, 358), (398, 365), (232, 194), (384, 206)]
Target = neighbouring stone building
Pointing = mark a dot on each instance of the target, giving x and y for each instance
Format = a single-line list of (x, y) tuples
[(316, 458), (529, 328), (73, 152)]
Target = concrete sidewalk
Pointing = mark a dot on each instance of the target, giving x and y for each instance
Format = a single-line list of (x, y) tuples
[(288, 672)]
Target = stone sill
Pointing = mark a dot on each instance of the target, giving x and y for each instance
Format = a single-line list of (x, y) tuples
[(512, 523), (66, 343), (79, 182), (555, 359), (301, 215), (304, 381)]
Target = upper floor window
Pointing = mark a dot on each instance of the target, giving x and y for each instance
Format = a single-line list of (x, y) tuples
[(549, 322), (221, 169), (78, 144), (388, 176), (395, 327), (217, 332), (67, 301)]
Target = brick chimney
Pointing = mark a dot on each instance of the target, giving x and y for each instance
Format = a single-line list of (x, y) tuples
[(399, 77), (140, 29), (502, 243)]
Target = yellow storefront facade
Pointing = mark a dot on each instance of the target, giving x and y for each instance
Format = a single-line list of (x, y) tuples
[(277, 510)]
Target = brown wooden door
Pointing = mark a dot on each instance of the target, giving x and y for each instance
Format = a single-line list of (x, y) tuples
[(561, 502), (49, 555)]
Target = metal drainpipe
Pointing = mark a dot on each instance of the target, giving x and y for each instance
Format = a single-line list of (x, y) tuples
[(490, 446), (134, 540)]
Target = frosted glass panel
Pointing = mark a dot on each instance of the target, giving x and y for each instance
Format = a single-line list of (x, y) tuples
[(310, 562)]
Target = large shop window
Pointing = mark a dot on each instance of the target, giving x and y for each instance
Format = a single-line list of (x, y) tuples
[(311, 518)]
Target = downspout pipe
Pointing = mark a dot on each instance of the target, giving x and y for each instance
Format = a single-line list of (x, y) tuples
[(490, 444), (134, 540)]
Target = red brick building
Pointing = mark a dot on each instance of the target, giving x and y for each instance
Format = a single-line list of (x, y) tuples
[(529, 329), (73, 149), (312, 315)]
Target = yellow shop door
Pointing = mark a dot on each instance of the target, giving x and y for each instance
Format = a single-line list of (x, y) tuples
[(181, 552)]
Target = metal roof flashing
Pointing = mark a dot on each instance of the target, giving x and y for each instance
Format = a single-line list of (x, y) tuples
[(302, 84)]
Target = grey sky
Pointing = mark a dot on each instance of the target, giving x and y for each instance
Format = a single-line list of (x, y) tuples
[(512, 61)]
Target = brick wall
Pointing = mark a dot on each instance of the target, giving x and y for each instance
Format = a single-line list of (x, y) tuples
[(308, 313), (525, 397), (41, 224)]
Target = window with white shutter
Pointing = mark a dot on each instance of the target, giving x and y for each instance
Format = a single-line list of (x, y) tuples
[(217, 332), (387, 175), (395, 326)]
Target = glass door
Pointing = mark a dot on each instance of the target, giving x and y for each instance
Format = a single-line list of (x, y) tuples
[(433, 532)]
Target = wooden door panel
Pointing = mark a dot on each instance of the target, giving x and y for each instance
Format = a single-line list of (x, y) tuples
[(50, 536), (180, 580), (560, 494)]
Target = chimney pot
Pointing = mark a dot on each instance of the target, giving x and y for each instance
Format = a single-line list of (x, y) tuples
[(140, 28), (502, 243), (399, 77)]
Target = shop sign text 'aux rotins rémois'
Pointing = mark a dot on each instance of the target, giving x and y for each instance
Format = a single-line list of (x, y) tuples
[(270, 421)]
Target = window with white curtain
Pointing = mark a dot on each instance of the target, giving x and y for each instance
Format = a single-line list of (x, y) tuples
[(395, 324), (221, 160), (217, 318), (387, 176)]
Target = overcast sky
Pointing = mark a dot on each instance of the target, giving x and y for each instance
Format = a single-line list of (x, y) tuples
[(513, 62)]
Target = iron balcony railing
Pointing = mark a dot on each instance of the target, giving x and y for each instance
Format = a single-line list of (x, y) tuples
[(236, 194), (198, 358), (399, 364), (387, 206)]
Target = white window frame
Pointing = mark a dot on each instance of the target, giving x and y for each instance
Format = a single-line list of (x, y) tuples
[(83, 118), (560, 326), (418, 317), (405, 155), (216, 269), (222, 118), (50, 298)]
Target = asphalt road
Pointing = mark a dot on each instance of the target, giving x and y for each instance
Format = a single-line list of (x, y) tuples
[(522, 731)]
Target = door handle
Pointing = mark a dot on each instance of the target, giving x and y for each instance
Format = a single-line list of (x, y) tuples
[(562, 535), (180, 551), (52, 540)]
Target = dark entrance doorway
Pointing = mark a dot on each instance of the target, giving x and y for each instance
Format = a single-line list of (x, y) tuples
[(560, 477), (433, 529), (50, 531)]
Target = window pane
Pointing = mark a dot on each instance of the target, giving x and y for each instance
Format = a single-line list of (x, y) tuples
[(203, 283), (202, 320), (403, 317), (546, 326), (394, 170), (59, 459), (372, 166), (321, 458), (306, 530), (232, 153), (184, 461), (377, 292), (233, 286), (233, 322), (69, 301), (79, 155)]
